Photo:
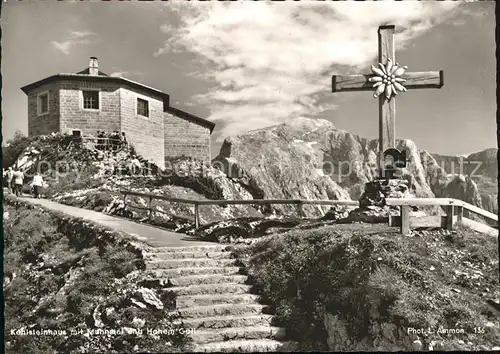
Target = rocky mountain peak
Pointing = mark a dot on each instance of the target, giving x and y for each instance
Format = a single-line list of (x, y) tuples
[(312, 159)]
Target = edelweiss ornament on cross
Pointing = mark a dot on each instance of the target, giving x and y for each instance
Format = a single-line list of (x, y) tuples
[(387, 81)]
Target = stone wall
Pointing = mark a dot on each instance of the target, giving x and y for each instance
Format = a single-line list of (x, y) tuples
[(74, 117), (184, 137), (144, 133), (46, 123)]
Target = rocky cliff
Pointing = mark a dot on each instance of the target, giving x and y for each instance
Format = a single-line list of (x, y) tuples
[(479, 187), (311, 159)]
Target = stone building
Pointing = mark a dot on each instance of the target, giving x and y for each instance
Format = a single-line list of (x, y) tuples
[(90, 100)]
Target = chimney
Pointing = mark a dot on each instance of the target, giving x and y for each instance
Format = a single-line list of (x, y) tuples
[(93, 67)]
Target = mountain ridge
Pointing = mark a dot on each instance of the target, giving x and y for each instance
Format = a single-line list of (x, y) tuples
[(312, 159)]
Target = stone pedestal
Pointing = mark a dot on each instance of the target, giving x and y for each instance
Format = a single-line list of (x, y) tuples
[(372, 204), (379, 189)]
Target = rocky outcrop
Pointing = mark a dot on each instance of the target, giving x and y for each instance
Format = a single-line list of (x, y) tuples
[(281, 163), (311, 159), (482, 163), (463, 188), (472, 178), (385, 336), (247, 230)]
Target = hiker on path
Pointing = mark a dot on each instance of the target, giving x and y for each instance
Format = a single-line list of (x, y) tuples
[(37, 185), (115, 140), (100, 141), (135, 166), (105, 140), (124, 139), (18, 177), (8, 179)]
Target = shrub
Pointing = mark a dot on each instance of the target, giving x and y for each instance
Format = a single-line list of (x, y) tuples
[(68, 181), (120, 261), (364, 278), (14, 148)]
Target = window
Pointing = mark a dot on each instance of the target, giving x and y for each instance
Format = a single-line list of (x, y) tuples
[(43, 103), (91, 99), (142, 107)]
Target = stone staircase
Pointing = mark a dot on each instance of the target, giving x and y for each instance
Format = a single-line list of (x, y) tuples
[(213, 299)]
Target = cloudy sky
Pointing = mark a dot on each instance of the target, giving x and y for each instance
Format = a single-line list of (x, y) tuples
[(248, 65)]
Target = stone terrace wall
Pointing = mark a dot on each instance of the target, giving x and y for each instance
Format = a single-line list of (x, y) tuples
[(74, 117), (145, 134), (183, 137), (47, 123)]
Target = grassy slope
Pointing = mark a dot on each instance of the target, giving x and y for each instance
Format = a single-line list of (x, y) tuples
[(61, 277), (355, 271)]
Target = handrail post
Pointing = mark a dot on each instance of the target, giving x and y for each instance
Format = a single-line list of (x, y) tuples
[(405, 220), (150, 209), (300, 209), (449, 217), (460, 214), (196, 215)]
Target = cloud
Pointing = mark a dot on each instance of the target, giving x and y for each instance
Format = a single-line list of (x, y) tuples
[(81, 34), (271, 62), (127, 74), (119, 73), (63, 47), (75, 37)]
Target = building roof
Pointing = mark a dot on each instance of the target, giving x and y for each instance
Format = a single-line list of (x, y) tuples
[(93, 78), (86, 71), (102, 77), (190, 117)]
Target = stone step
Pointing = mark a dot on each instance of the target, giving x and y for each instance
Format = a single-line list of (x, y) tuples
[(207, 279), (181, 272), (226, 321), (190, 263), (245, 346), (226, 334), (228, 288), (185, 255), (214, 248), (215, 299), (220, 310)]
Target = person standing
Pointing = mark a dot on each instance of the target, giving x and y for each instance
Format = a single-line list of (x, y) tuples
[(18, 177), (8, 179), (124, 139), (37, 184), (116, 140), (99, 141), (135, 166)]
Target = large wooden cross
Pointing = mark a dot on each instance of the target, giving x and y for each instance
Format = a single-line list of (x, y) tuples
[(387, 107)]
